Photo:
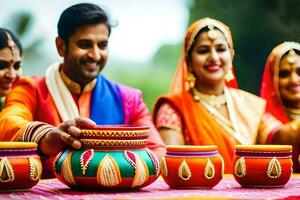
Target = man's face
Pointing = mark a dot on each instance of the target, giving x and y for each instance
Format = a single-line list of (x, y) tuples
[(86, 53)]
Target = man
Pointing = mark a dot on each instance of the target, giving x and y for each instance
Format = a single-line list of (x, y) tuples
[(51, 110)]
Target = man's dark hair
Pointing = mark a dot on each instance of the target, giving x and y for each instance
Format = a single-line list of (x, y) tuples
[(4, 39), (79, 15)]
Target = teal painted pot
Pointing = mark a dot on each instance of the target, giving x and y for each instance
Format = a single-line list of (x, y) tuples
[(112, 158)]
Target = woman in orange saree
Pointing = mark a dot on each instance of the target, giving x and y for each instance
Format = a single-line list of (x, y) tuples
[(281, 88), (203, 106), (10, 62)]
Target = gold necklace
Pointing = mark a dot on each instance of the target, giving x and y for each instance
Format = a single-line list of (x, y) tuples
[(212, 100)]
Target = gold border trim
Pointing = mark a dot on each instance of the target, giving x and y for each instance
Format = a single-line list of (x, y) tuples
[(209, 166), (66, 170), (163, 167), (240, 169), (117, 143), (35, 169), (119, 133), (184, 171), (108, 173), (274, 163), (4, 163)]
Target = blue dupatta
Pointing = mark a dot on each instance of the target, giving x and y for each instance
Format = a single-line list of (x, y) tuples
[(106, 104)]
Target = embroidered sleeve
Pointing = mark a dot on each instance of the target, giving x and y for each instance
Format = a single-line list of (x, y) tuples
[(168, 117), (35, 131), (268, 127)]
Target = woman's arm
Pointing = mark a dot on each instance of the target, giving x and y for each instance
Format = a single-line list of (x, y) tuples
[(169, 125)]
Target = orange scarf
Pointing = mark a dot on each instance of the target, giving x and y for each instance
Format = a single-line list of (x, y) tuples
[(201, 127)]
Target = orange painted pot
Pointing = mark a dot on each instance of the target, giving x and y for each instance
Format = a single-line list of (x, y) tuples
[(20, 165), (192, 166), (112, 157), (262, 165)]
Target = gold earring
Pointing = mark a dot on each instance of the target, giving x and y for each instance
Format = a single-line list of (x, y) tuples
[(229, 75), (190, 80)]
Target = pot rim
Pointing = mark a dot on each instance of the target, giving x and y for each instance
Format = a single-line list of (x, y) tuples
[(191, 148), (268, 148), (118, 128), (18, 145)]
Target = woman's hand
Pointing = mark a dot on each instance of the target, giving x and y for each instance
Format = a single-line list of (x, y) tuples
[(64, 135), (288, 134)]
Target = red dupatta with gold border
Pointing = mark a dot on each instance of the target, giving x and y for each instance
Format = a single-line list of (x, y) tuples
[(270, 90)]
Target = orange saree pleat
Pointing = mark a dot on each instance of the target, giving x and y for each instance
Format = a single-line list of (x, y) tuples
[(201, 127)]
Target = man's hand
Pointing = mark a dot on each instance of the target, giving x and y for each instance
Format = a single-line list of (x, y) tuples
[(64, 135)]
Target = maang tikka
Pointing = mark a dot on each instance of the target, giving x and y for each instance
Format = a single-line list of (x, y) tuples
[(291, 57), (212, 33), (10, 43)]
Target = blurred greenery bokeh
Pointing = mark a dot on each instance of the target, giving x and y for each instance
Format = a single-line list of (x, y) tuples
[(257, 27)]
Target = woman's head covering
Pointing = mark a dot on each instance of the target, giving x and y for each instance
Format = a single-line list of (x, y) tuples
[(269, 87), (181, 73)]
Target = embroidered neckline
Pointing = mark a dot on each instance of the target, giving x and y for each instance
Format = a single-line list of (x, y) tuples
[(75, 87)]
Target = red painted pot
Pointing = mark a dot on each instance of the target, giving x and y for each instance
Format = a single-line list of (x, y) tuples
[(192, 166), (112, 157), (262, 165), (20, 165)]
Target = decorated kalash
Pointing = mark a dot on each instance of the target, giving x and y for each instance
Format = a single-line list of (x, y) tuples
[(260, 166), (112, 157), (263, 165), (20, 166), (186, 166)]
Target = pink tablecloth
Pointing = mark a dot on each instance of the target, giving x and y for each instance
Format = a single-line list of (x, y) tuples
[(226, 189)]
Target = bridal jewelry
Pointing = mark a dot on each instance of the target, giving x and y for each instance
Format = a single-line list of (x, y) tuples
[(190, 80), (212, 100), (291, 58), (10, 44), (212, 33)]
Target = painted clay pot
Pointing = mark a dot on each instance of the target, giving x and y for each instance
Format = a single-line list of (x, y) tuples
[(20, 165), (112, 157), (192, 166), (262, 165)]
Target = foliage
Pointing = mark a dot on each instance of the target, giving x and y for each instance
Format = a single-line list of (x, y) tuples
[(22, 23)]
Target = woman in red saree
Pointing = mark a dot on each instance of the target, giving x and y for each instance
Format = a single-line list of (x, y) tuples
[(281, 88), (203, 106)]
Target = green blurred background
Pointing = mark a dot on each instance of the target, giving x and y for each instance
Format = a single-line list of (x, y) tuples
[(257, 26)]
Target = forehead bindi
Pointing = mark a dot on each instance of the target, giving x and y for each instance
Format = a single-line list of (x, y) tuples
[(6, 54)]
